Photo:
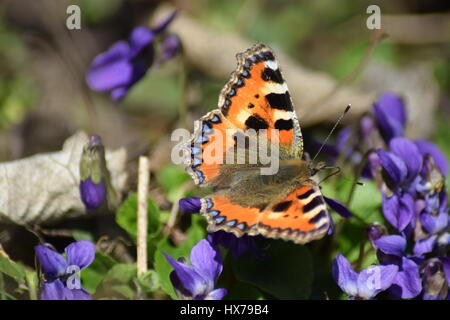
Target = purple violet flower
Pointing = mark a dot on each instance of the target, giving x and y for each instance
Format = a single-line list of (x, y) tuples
[(93, 195), (390, 113), (367, 283), (93, 186), (391, 251), (426, 147), (401, 167), (237, 246), (61, 274), (339, 207), (125, 63), (197, 282), (190, 204)]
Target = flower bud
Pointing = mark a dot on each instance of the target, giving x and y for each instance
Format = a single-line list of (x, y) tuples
[(375, 231), (434, 281), (94, 174), (170, 47)]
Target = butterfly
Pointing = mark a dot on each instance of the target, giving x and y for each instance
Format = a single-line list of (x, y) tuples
[(285, 205)]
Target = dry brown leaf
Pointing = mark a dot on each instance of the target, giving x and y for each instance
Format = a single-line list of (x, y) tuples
[(45, 187)]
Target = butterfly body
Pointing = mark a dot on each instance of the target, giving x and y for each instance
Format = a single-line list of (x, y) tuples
[(285, 204)]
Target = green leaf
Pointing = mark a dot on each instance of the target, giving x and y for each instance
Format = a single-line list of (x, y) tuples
[(33, 284), (171, 178), (118, 282), (12, 269), (94, 274), (366, 203), (163, 268), (286, 270), (149, 281), (127, 217)]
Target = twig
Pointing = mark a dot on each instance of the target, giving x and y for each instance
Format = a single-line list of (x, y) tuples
[(142, 220)]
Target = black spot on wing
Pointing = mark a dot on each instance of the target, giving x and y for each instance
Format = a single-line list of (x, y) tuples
[(317, 217), (272, 75), (306, 194), (316, 201), (282, 124), (282, 206), (280, 101), (256, 122), (267, 55)]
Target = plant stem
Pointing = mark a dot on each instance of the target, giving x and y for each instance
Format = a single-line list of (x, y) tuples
[(142, 213)]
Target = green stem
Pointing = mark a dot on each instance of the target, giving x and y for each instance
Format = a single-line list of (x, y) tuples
[(2, 287), (32, 283), (359, 169)]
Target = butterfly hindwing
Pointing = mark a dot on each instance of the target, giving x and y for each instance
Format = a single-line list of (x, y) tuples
[(301, 216), (222, 214)]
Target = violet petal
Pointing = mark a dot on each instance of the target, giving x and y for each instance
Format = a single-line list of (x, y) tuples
[(110, 69), (424, 246), (80, 253), (216, 294), (394, 167), (55, 290), (52, 263), (191, 280), (190, 205), (206, 260), (426, 147), (345, 276), (407, 283), (160, 27), (375, 279), (409, 153), (92, 194), (391, 244), (391, 116), (338, 207)]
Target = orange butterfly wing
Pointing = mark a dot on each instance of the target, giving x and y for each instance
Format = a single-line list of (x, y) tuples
[(256, 97), (301, 217)]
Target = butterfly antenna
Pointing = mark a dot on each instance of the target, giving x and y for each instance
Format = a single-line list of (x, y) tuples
[(332, 130), (338, 171)]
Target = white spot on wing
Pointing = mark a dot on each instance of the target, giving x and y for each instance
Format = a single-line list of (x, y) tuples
[(242, 116), (273, 87), (274, 215), (272, 64), (280, 114)]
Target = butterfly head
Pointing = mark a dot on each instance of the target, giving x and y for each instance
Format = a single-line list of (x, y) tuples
[(316, 167)]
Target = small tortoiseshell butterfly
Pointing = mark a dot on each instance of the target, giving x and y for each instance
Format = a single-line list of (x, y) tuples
[(288, 204)]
